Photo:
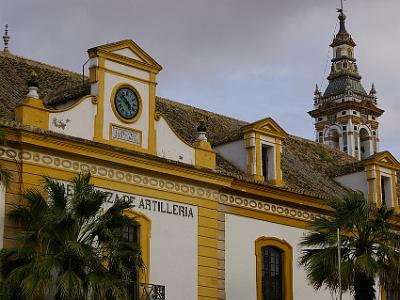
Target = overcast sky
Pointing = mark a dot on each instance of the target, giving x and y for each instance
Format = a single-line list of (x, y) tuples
[(246, 59)]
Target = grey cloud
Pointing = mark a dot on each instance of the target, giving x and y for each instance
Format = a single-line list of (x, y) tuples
[(247, 59)]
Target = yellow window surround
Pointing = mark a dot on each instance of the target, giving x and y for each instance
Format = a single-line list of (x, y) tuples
[(145, 235), (287, 250)]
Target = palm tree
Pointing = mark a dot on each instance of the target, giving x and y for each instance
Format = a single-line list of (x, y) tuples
[(69, 246), (369, 248)]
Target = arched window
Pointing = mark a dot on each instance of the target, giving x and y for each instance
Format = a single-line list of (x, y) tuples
[(274, 269), (365, 145), (140, 234)]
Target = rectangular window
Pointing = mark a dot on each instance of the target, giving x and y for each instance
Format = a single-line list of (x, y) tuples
[(386, 191), (267, 162)]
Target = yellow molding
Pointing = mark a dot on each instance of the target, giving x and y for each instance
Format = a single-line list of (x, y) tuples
[(152, 136), (207, 291), (258, 158), (265, 216), (126, 61), (287, 250), (278, 170), (378, 187), (99, 118), (129, 44), (131, 77), (394, 189), (208, 271)]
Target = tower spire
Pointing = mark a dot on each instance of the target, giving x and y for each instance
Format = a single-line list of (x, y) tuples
[(6, 38), (346, 116)]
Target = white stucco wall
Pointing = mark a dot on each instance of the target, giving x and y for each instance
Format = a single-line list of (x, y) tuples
[(240, 260), (173, 243), (77, 121), (355, 181), (142, 124), (170, 146), (234, 152)]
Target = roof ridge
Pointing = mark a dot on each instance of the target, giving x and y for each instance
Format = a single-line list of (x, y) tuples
[(38, 63)]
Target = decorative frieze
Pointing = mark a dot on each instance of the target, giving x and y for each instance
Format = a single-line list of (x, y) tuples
[(153, 182)]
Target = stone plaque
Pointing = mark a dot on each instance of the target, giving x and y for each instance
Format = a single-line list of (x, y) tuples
[(125, 135)]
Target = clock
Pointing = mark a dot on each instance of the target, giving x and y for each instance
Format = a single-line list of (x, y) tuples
[(126, 103)]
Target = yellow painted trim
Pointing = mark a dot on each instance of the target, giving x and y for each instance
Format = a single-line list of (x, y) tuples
[(111, 47), (258, 157), (32, 112), (127, 61), (259, 125), (394, 189), (99, 118), (205, 157), (145, 237), (122, 143), (131, 77), (139, 98), (265, 216), (287, 264), (278, 170), (378, 187), (152, 135)]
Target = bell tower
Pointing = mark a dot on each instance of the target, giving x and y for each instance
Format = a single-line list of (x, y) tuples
[(346, 116)]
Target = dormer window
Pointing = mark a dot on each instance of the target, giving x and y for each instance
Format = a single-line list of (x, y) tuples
[(386, 191), (268, 164)]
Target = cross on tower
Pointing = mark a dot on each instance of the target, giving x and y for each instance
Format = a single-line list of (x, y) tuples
[(341, 9)]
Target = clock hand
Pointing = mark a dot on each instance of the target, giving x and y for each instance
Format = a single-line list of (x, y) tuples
[(127, 102)]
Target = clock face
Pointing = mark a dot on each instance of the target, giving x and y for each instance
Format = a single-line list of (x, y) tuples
[(126, 103)]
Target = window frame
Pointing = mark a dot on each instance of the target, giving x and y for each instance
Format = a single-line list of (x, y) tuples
[(287, 264), (145, 235)]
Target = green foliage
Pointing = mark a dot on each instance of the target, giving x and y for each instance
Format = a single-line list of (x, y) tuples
[(69, 247), (369, 248)]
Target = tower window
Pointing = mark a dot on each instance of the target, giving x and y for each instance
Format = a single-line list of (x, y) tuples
[(320, 119), (343, 112), (373, 118), (354, 112), (344, 128), (374, 132), (355, 127)]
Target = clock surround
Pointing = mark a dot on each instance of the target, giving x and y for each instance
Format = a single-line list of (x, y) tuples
[(119, 100)]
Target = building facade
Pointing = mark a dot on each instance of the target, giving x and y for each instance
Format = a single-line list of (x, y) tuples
[(222, 204)]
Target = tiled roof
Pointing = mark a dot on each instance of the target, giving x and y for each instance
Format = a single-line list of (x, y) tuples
[(338, 86), (15, 71), (306, 165)]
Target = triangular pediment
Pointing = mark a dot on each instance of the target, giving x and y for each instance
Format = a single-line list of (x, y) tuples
[(128, 50), (266, 126), (385, 159)]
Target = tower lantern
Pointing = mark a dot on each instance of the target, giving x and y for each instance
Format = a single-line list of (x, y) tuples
[(346, 116)]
